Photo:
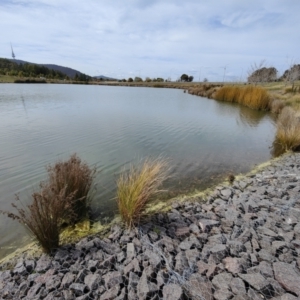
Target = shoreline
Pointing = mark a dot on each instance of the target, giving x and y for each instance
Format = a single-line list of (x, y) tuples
[(243, 242)]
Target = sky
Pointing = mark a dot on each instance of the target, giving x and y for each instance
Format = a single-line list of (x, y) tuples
[(217, 39)]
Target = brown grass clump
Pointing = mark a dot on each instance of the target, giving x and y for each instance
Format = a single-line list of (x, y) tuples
[(277, 106), (63, 198), (137, 187), (77, 178), (288, 129), (251, 96), (43, 218)]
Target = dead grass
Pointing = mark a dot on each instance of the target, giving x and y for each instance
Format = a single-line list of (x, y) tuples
[(254, 97), (43, 218), (288, 129), (277, 106), (137, 187), (77, 178), (62, 199)]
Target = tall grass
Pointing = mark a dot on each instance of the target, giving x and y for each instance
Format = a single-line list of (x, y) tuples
[(63, 198), (288, 129), (44, 216), (77, 178), (254, 97), (137, 187)]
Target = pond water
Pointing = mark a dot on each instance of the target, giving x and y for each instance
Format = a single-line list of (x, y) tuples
[(111, 127)]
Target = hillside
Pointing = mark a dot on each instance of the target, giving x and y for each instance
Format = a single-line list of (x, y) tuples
[(65, 70)]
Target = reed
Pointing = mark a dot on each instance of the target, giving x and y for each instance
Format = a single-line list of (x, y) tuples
[(137, 187), (251, 96), (288, 129)]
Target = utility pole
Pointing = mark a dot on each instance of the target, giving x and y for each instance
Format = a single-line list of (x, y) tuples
[(12, 52)]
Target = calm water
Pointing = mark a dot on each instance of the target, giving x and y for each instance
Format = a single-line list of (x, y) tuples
[(111, 127)]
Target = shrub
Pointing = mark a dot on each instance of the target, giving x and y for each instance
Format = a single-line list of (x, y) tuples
[(77, 178), (43, 218), (288, 129), (136, 188)]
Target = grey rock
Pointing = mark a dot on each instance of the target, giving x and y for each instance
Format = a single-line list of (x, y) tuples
[(20, 269), (181, 262), (236, 247), (219, 252), (237, 286), (145, 288), (233, 265), (172, 292), (112, 278), (199, 287), (222, 281), (226, 193), (266, 255), (257, 281), (287, 276), (130, 253), (43, 264), (223, 295), (182, 232), (111, 294), (253, 295), (206, 224), (67, 280), (265, 269), (78, 288), (153, 258), (133, 280), (132, 266), (92, 281), (192, 256), (53, 283)]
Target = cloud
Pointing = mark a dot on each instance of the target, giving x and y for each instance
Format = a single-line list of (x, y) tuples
[(151, 36)]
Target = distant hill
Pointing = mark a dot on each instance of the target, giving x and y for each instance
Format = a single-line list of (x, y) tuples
[(68, 71)]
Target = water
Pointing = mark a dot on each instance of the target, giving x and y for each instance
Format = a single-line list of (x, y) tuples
[(111, 127)]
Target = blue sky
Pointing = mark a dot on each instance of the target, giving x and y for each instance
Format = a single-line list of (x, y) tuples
[(155, 38)]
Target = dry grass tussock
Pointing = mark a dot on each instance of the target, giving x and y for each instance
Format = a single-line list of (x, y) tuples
[(44, 216), (62, 198), (288, 129), (277, 106), (137, 187), (254, 97), (77, 178)]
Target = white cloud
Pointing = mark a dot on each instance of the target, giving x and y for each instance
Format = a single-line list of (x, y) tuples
[(151, 36)]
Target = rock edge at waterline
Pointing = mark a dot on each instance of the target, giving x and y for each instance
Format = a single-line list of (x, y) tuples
[(242, 243)]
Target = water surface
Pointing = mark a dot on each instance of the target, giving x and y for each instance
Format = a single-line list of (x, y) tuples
[(111, 127)]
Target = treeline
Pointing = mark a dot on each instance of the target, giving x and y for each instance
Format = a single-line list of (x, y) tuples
[(28, 70)]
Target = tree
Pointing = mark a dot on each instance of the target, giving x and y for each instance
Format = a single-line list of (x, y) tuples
[(138, 79), (191, 78), (292, 74), (184, 77), (205, 80), (130, 79)]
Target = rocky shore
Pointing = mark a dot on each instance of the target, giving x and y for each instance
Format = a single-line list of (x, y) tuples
[(243, 242)]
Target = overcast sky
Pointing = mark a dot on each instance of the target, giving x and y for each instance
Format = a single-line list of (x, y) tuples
[(155, 38)]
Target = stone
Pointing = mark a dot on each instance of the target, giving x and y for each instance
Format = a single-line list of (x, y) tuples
[(265, 269), (222, 281), (181, 262), (130, 253), (67, 280), (202, 267), (132, 266), (226, 193), (199, 288), (257, 281), (92, 281), (112, 278), (43, 264), (218, 252), (20, 269), (287, 276), (111, 294), (182, 232), (206, 224), (145, 288), (153, 258), (266, 255), (237, 286), (192, 256), (223, 295), (133, 280), (78, 288), (53, 283), (194, 228), (172, 292), (232, 264)]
